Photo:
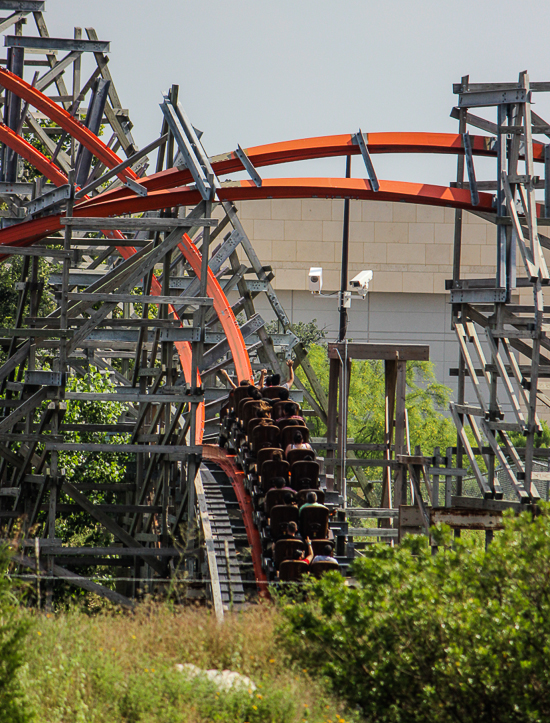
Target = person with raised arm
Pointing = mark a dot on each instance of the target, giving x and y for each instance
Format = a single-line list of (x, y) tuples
[(290, 382)]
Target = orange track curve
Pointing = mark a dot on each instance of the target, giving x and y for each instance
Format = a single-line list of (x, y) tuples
[(354, 188), (78, 130), (326, 147), (223, 309)]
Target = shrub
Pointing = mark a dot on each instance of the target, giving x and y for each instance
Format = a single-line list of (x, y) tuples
[(460, 636), (13, 631)]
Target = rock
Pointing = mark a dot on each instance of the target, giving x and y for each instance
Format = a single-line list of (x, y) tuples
[(227, 680)]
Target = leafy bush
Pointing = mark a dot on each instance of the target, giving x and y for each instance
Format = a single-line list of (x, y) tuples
[(460, 636), (13, 631)]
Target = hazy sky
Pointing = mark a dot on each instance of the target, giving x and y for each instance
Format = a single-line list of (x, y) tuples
[(253, 72)]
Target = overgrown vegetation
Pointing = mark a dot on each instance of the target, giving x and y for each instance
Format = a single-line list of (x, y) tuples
[(13, 629), (460, 636), (122, 669)]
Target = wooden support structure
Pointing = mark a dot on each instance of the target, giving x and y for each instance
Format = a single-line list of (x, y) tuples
[(146, 264), (394, 471), (484, 308), (140, 298)]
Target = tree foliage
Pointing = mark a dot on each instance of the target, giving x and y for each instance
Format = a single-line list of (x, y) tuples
[(460, 636), (541, 440), (426, 397), (10, 275), (308, 332), (97, 468)]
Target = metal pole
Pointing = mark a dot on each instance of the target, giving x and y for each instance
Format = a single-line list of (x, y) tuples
[(345, 255)]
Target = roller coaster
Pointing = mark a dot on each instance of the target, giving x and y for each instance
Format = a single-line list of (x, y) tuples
[(146, 264)]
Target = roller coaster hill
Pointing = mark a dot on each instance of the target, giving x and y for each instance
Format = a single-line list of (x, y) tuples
[(152, 269)]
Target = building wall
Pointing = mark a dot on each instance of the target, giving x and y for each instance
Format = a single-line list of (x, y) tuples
[(383, 317), (408, 247)]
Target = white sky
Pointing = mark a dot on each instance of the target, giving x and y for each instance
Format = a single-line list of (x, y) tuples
[(252, 71)]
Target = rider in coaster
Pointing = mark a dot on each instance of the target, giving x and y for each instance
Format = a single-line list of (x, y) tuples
[(298, 443), (301, 556), (311, 501), (326, 556), (289, 412)]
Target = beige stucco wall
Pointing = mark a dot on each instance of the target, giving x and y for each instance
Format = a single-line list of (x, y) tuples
[(409, 247)]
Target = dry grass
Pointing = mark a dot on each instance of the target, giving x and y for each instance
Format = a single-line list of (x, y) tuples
[(121, 667)]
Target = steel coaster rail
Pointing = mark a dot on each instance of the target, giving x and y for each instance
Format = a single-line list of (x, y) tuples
[(227, 463), (77, 130), (223, 309), (328, 147)]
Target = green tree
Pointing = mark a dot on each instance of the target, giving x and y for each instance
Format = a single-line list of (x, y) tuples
[(460, 636), (426, 397), (541, 440), (308, 332), (10, 274), (100, 468), (13, 631)]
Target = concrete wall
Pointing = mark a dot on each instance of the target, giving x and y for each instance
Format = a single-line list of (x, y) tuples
[(384, 317), (408, 247)]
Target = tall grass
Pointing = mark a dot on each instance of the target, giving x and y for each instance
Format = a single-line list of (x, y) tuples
[(122, 668)]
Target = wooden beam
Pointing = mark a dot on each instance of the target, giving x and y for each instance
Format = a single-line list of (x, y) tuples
[(110, 525), (77, 580), (94, 223), (395, 352), (139, 299), (210, 548), (180, 450), (36, 251), (121, 551), (472, 519)]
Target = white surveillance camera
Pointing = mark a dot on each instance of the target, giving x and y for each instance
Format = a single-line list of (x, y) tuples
[(315, 279), (361, 282)]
